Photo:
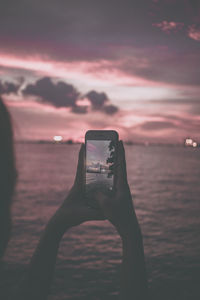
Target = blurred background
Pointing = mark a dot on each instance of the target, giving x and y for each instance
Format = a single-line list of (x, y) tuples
[(133, 66)]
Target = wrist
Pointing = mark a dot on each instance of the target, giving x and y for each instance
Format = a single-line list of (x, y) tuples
[(129, 228), (57, 226)]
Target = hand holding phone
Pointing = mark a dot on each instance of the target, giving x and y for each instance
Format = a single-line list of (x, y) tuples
[(118, 209), (74, 210)]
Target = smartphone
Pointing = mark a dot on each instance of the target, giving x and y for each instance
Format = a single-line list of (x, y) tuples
[(101, 146)]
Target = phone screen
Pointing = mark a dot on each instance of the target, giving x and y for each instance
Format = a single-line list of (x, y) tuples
[(100, 158)]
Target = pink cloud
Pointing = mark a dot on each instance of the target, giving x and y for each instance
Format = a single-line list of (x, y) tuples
[(194, 32), (103, 75), (96, 73), (169, 27), (99, 74)]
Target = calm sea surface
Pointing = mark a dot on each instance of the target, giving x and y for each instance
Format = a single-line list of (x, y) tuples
[(165, 184)]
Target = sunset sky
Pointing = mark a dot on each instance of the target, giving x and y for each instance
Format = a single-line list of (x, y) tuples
[(133, 66)]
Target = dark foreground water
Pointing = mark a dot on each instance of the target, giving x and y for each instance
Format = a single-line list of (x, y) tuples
[(165, 183)]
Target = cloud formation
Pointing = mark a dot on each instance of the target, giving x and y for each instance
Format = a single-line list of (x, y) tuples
[(166, 66), (93, 31), (59, 94), (80, 109), (97, 100), (62, 94), (7, 88), (134, 125), (169, 27), (112, 48), (194, 32), (157, 125), (110, 109)]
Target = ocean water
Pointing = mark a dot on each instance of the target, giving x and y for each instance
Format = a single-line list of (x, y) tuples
[(165, 184)]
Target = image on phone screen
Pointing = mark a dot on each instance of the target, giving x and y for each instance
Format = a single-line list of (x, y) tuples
[(100, 157)]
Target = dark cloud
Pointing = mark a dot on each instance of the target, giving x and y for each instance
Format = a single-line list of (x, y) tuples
[(59, 94), (165, 65), (93, 20), (80, 109), (190, 106), (110, 109), (98, 100), (195, 109), (157, 125), (62, 94), (71, 19), (177, 123), (186, 122), (91, 24), (186, 11), (93, 30), (9, 87)]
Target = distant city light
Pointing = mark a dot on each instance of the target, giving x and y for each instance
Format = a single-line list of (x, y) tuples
[(189, 142), (194, 144), (57, 138)]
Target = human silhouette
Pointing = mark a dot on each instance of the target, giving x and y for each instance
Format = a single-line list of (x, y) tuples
[(74, 210), (7, 176)]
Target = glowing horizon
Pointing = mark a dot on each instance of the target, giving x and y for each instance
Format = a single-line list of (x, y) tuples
[(139, 76)]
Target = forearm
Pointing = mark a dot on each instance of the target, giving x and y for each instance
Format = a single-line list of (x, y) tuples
[(37, 283), (133, 274)]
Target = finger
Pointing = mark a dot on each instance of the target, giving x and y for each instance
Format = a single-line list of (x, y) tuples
[(79, 179), (121, 178)]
